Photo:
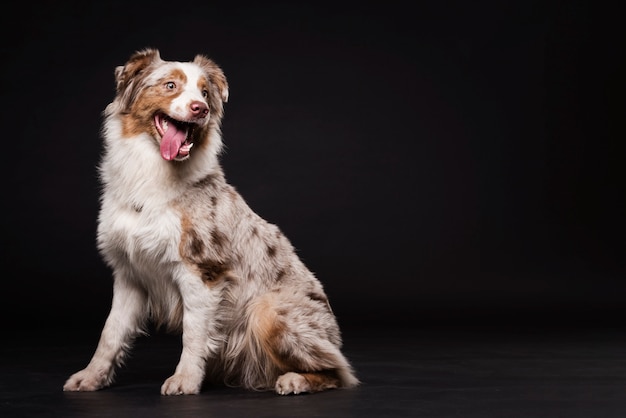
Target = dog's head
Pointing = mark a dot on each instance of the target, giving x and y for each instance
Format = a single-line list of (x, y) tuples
[(177, 103)]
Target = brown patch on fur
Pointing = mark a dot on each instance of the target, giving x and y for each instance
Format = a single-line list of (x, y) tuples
[(196, 246), (193, 250), (211, 271), (271, 251), (176, 74), (280, 275), (218, 239), (191, 246), (266, 323), (322, 380), (269, 329)]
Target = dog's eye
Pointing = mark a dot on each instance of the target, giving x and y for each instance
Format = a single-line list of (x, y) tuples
[(170, 85), (205, 94)]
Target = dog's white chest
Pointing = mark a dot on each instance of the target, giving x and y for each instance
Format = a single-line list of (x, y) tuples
[(146, 239)]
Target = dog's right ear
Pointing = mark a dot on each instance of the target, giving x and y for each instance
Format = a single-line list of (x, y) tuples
[(138, 62), (127, 75)]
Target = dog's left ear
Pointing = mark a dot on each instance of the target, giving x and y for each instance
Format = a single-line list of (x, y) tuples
[(215, 74)]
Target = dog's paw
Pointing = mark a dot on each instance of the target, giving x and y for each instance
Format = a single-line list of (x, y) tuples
[(85, 380), (292, 383), (180, 384)]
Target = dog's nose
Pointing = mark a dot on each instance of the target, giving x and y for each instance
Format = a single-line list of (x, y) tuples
[(199, 109)]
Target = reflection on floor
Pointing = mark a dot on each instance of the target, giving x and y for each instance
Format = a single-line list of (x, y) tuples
[(405, 373)]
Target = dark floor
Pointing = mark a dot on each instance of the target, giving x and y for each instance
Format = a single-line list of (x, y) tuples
[(410, 373)]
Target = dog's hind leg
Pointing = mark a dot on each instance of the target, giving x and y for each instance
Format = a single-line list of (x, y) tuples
[(296, 383), (332, 372), (303, 344), (124, 322)]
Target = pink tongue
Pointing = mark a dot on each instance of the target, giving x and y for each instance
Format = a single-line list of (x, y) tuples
[(171, 141)]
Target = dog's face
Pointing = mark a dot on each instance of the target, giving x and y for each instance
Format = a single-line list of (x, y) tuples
[(176, 103)]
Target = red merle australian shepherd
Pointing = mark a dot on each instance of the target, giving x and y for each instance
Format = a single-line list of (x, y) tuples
[(188, 253)]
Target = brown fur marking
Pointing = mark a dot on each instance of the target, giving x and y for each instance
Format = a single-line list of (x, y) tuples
[(269, 329), (212, 270), (191, 246), (280, 275), (322, 380), (218, 238)]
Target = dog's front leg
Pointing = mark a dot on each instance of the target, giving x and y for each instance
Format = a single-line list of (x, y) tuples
[(199, 303), (122, 325)]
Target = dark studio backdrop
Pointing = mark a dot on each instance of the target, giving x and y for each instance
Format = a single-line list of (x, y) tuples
[(440, 162)]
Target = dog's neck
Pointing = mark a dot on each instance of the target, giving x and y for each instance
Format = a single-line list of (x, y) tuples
[(134, 171)]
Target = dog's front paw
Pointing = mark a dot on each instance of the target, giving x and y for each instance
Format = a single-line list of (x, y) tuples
[(180, 384), (86, 380), (292, 383)]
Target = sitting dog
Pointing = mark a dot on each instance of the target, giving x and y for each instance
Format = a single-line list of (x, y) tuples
[(188, 253)]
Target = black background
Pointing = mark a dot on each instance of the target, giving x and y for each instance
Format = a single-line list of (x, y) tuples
[(439, 162)]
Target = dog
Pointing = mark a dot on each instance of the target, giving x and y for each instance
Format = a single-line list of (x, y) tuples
[(187, 253)]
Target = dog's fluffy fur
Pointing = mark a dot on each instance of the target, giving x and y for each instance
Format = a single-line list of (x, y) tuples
[(188, 253)]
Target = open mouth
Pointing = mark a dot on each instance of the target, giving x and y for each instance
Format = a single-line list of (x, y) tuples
[(175, 137)]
